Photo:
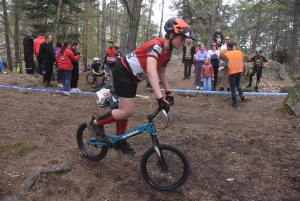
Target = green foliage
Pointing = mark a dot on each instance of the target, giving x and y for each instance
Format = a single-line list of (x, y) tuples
[(41, 16), (20, 148), (295, 77), (286, 109), (282, 56)]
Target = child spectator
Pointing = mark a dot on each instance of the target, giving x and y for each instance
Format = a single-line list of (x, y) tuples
[(18, 68), (218, 37), (82, 68), (207, 75)]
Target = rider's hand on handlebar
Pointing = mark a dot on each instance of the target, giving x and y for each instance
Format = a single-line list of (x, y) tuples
[(169, 97), (163, 104)]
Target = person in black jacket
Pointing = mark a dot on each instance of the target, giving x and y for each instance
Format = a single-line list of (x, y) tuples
[(47, 56), (188, 58), (75, 71), (218, 37), (28, 53)]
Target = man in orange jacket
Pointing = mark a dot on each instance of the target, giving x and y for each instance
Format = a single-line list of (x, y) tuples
[(36, 48), (234, 59)]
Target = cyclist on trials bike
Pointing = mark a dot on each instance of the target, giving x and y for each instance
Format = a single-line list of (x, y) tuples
[(146, 62), (257, 63), (96, 65)]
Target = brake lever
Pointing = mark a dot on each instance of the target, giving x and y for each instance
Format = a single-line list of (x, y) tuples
[(164, 111)]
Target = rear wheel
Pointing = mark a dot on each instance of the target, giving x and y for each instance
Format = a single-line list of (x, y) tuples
[(172, 174), (92, 152), (90, 78)]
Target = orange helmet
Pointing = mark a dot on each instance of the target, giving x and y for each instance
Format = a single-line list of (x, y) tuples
[(179, 26)]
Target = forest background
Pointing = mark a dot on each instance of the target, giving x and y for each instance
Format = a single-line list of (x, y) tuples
[(269, 24)]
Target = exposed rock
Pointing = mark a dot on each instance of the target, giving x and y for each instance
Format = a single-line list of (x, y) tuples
[(10, 198), (276, 70), (293, 99)]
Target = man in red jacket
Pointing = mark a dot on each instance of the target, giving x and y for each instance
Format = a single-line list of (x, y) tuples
[(110, 57), (36, 48)]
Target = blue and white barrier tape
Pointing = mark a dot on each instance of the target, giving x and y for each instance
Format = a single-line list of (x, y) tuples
[(172, 90), (226, 92), (40, 89)]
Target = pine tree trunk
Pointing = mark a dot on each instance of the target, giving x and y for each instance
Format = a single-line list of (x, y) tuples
[(134, 24), (149, 20), (295, 37), (103, 30), (162, 17), (212, 25), (7, 41), (276, 36), (257, 29), (85, 34), (59, 6), (16, 32), (124, 31)]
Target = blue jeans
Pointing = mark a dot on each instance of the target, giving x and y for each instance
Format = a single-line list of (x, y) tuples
[(207, 84), (234, 81), (66, 78), (197, 81), (109, 67)]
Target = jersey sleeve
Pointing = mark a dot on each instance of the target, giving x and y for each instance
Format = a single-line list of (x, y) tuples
[(154, 51), (264, 59)]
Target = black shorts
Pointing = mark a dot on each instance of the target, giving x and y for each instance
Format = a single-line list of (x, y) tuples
[(124, 84)]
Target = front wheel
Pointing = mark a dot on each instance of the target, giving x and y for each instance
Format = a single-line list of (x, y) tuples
[(90, 78), (168, 176), (92, 152)]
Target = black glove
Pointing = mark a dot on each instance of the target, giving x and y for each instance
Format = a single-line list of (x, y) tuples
[(163, 104), (169, 97), (102, 66)]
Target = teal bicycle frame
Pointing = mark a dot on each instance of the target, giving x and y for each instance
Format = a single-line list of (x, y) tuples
[(114, 139)]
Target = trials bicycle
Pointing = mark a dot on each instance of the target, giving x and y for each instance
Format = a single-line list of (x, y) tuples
[(163, 166)]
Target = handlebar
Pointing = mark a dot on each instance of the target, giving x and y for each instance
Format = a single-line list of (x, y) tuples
[(156, 112)]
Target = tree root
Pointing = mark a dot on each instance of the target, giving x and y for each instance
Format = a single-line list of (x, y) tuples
[(37, 172)]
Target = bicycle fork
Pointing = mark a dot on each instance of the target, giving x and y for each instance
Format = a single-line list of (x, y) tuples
[(161, 160)]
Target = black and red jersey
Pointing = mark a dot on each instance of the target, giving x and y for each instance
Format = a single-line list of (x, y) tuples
[(137, 60), (111, 56)]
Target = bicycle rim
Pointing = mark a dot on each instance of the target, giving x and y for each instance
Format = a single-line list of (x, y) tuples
[(89, 78), (94, 153), (174, 176)]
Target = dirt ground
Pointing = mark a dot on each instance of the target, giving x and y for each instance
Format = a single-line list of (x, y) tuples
[(255, 145)]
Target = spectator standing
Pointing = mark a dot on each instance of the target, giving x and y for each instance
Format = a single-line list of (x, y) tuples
[(110, 57), (224, 73), (234, 59), (207, 75), (218, 37), (46, 54), (200, 57), (36, 48), (188, 58), (2, 69), (213, 56), (64, 60), (59, 79), (28, 52), (75, 70)]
